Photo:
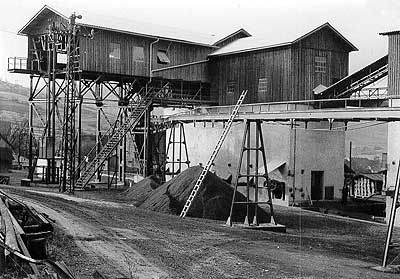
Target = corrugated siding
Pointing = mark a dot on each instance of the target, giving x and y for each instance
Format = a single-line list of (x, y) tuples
[(246, 70), (394, 65)]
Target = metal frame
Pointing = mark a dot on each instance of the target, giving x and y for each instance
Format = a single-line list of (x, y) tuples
[(247, 150), (178, 156)]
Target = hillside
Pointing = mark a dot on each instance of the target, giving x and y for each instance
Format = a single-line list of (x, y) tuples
[(14, 108), (13, 102)]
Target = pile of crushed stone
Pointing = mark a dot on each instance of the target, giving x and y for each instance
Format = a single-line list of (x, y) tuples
[(213, 201)]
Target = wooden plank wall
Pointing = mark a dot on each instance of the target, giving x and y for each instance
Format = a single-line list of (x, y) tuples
[(95, 56), (41, 25), (180, 53), (322, 43), (290, 71), (246, 70)]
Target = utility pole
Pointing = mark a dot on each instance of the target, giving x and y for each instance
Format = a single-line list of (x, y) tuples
[(71, 151), (351, 143)]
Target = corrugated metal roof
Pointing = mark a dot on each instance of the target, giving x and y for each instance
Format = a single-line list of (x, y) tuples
[(129, 26)]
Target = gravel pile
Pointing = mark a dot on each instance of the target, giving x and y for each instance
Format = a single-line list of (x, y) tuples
[(213, 201), (140, 191)]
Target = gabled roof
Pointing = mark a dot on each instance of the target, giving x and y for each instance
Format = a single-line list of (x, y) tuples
[(253, 44), (126, 26), (327, 24), (240, 31)]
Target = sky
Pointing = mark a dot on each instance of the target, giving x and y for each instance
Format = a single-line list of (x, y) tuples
[(360, 21)]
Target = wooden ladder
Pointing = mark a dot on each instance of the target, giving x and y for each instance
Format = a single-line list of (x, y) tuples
[(213, 155)]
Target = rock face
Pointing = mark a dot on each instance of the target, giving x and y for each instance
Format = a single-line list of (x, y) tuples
[(213, 201)]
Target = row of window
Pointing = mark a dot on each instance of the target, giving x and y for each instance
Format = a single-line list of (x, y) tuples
[(137, 54)]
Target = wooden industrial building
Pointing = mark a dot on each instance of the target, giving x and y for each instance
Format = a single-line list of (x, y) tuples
[(270, 71), (281, 71), (119, 58)]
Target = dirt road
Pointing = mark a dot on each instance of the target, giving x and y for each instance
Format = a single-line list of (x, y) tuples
[(123, 241)]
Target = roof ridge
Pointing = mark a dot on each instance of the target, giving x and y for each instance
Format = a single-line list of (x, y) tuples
[(231, 50), (170, 33)]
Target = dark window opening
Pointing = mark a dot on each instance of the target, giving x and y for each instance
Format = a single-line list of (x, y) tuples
[(317, 185), (162, 57)]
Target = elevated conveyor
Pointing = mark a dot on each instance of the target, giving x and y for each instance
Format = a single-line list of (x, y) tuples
[(345, 87), (295, 110)]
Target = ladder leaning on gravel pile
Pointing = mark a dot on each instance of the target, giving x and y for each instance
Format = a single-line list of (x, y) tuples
[(213, 155)]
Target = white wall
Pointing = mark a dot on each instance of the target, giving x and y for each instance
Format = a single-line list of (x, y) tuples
[(319, 150), (393, 162), (315, 150)]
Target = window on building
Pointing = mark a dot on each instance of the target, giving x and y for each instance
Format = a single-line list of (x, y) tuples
[(320, 64), (138, 54), (262, 86), (115, 51), (230, 87), (162, 57)]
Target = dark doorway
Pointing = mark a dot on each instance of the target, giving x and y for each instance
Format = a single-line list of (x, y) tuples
[(317, 185)]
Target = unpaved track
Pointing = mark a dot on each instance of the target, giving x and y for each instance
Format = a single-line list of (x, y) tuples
[(121, 240), (105, 243)]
